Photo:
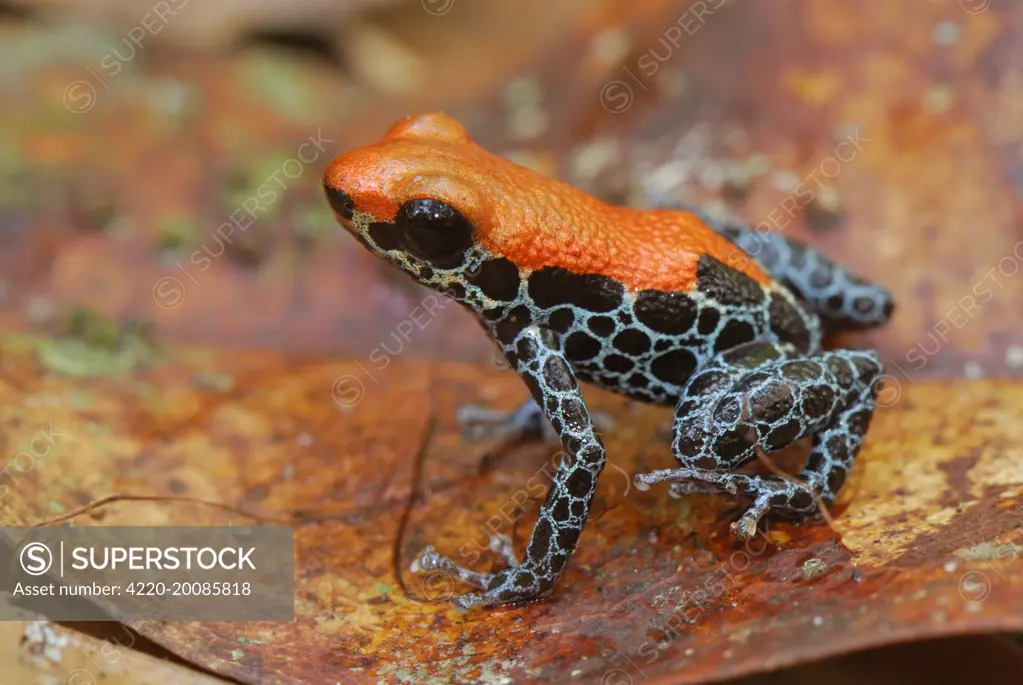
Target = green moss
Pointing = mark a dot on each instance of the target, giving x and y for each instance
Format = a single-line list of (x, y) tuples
[(177, 230), (91, 344), (258, 188), (281, 83), (315, 222)]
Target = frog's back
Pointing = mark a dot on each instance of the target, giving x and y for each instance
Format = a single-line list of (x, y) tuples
[(624, 326), (561, 226)]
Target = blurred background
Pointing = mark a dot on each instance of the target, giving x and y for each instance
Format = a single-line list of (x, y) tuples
[(889, 136), (160, 162)]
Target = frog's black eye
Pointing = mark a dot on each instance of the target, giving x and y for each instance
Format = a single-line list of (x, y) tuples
[(340, 201), (434, 231)]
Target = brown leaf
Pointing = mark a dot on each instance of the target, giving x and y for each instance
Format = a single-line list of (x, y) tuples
[(656, 589)]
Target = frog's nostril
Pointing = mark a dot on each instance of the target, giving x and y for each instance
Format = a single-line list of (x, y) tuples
[(340, 201)]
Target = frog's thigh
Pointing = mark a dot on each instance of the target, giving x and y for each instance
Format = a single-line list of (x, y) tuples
[(843, 300), (711, 429), (763, 394)]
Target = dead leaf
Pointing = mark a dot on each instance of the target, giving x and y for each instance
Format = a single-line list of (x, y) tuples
[(656, 590)]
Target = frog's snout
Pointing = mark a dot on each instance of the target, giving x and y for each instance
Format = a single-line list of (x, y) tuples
[(340, 201)]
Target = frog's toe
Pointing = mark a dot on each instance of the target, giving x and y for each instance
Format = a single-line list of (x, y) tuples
[(502, 544), (511, 585), (431, 564), (746, 527)]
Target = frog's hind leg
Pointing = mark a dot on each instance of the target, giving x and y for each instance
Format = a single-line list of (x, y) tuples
[(841, 299), (763, 394)]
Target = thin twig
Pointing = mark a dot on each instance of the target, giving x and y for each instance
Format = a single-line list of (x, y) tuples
[(821, 506), (406, 514), (109, 499)]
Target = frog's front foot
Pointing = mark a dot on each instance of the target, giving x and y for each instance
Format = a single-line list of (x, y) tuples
[(746, 526), (507, 586), (525, 422), (767, 494)]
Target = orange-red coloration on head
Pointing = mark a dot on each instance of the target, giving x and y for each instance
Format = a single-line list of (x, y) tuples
[(533, 220)]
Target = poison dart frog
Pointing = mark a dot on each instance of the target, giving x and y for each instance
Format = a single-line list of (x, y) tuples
[(663, 306)]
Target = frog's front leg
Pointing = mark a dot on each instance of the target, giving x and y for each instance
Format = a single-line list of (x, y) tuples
[(765, 395), (537, 356)]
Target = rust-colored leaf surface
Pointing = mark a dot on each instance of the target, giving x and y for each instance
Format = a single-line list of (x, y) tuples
[(929, 538), (116, 193)]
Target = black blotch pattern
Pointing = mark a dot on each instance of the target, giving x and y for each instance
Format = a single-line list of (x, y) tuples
[(552, 285), (733, 334), (560, 512), (601, 325), (632, 341), (782, 435), (556, 372), (618, 363), (578, 483), (581, 347), (561, 319), (802, 500), (672, 313), (498, 279), (839, 368), (510, 326), (675, 366), (638, 380), (385, 235), (540, 540), (818, 398), (787, 324), (572, 411), (727, 285), (708, 321)]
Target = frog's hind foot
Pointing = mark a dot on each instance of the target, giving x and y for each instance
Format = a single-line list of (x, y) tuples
[(430, 560), (504, 586)]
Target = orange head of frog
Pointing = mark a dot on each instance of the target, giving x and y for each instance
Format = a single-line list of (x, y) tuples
[(426, 198)]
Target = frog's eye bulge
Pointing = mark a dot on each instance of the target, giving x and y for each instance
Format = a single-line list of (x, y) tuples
[(434, 231)]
